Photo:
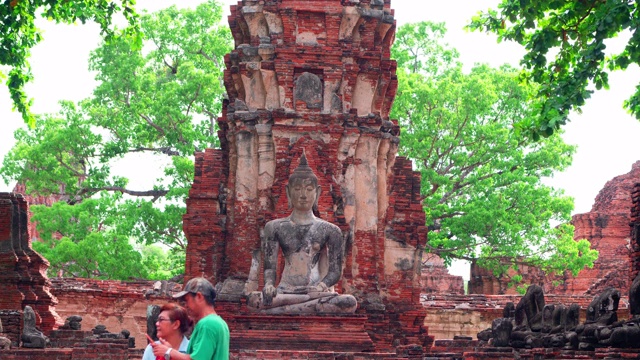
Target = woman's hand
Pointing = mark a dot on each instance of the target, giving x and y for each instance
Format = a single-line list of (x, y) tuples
[(159, 349)]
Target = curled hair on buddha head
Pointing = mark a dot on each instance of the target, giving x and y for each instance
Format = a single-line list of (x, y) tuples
[(303, 171)]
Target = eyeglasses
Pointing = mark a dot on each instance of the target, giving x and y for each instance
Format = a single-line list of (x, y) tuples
[(161, 319)]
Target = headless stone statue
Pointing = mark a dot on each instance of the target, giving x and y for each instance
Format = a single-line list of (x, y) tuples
[(32, 337), (72, 323), (528, 313), (313, 252), (604, 308), (528, 319), (153, 311)]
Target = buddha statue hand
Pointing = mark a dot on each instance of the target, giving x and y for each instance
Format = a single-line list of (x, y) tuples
[(268, 293), (320, 288)]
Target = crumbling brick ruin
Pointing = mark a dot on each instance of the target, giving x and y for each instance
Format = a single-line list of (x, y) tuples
[(634, 222), (23, 279), (313, 76), (606, 227), (435, 277)]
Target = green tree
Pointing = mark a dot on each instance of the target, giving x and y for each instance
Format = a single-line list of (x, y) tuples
[(565, 44), (19, 35), (482, 183), (86, 240), (160, 102)]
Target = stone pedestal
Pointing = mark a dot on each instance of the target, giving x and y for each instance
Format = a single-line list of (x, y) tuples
[(68, 338), (297, 332)]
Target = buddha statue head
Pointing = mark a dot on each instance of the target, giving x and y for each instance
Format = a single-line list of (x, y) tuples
[(302, 189)]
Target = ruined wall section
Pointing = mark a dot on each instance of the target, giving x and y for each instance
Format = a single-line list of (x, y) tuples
[(23, 279), (606, 227), (483, 281), (116, 304), (436, 279), (205, 220)]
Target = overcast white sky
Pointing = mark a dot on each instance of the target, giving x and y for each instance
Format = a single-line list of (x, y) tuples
[(607, 137)]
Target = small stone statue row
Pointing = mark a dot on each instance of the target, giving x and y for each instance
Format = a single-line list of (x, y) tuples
[(101, 332), (532, 324), (32, 337)]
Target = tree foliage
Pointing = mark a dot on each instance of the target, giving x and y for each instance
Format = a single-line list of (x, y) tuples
[(482, 182), (155, 104), (19, 34), (565, 44)]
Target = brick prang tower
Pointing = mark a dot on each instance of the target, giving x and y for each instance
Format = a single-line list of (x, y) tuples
[(313, 76)]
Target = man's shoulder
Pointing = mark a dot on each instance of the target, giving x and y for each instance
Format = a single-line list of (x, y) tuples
[(212, 319)]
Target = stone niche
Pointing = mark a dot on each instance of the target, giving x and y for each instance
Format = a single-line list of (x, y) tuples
[(330, 87), (308, 91)]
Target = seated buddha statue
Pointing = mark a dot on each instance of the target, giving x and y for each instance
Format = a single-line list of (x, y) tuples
[(313, 253)]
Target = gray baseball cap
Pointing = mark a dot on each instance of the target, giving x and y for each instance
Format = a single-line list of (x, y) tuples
[(197, 285)]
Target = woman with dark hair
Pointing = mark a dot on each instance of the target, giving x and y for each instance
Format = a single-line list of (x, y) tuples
[(172, 324)]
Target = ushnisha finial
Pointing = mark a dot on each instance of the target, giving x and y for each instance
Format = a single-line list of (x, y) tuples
[(303, 171)]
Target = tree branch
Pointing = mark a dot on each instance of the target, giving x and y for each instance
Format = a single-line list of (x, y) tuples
[(153, 193), (154, 125), (214, 60), (163, 150), (195, 97)]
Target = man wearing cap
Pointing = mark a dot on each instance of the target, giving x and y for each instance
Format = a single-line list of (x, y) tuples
[(210, 337)]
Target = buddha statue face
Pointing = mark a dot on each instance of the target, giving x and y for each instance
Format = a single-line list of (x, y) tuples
[(303, 193), (303, 190)]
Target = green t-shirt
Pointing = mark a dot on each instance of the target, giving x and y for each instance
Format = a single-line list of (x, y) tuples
[(210, 339)]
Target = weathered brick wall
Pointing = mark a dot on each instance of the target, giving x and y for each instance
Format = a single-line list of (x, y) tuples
[(435, 277), (116, 304), (11, 325), (95, 349), (606, 226), (483, 281), (313, 76), (634, 263)]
